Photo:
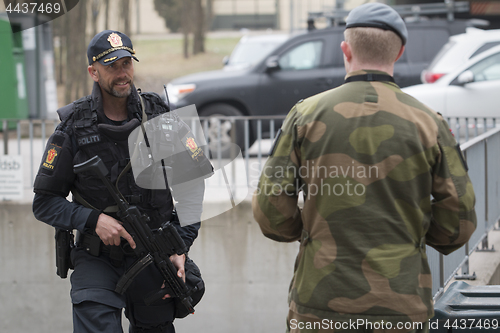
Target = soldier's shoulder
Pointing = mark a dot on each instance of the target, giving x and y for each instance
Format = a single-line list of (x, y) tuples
[(414, 102), (66, 112), (150, 95), (318, 102), (154, 102)]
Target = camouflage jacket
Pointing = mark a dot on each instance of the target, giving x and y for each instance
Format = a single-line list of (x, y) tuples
[(367, 158)]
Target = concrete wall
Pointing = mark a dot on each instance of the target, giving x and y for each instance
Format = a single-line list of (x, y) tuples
[(247, 276)]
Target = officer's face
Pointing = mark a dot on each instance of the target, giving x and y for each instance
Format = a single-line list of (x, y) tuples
[(115, 79)]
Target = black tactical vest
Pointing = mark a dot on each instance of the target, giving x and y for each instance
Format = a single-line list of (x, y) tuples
[(110, 143)]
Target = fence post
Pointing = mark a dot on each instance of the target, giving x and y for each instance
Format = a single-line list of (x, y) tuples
[(18, 128), (259, 142), (484, 244), (31, 135), (6, 137), (465, 267), (233, 153), (466, 129), (247, 147)]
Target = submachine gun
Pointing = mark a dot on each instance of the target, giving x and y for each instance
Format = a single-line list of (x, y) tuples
[(151, 247)]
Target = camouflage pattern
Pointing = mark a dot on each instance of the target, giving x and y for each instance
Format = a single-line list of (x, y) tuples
[(367, 158)]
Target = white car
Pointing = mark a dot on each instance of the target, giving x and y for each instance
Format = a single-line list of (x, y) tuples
[(472, 90), (459, 49)]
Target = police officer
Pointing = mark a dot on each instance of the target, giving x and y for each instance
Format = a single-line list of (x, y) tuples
[(367, 158), (100, 124)]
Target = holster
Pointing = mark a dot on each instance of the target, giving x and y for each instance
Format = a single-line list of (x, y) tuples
[(93, 245), (64, 244)]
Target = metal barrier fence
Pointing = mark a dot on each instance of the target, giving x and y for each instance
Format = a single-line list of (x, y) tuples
[(482, 152), (483, 158)]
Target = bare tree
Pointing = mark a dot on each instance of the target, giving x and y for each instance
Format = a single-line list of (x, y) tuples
[(186, 27), (74, 40), (125, 16), (209, 14), (58, 28), (171, 11), (106, 13), (187, 16), (95, 5), (198, 27)]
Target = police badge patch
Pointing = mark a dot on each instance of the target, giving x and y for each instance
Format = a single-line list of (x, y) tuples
[(194, 150), (50, 158), (115, 40)]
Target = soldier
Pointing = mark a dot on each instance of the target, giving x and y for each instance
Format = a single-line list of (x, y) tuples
[(100, 124), (367, 158)]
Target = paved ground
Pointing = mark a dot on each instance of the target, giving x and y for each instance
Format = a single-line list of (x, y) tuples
[(247, 275)]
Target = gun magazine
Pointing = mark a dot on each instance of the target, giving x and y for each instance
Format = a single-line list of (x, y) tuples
[(132, 272)]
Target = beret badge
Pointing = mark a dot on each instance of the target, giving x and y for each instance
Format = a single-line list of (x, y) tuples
[(115, 40)]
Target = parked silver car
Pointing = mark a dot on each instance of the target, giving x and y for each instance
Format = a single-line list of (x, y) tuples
[(472, 90), (459, 49)]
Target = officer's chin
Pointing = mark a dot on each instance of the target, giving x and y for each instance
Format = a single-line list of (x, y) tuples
[(122, 94)]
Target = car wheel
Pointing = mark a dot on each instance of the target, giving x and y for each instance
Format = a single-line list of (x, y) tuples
[(222, 139)]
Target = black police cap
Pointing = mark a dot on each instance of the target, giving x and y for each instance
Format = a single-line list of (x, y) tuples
[(377, 15), (108, 46)]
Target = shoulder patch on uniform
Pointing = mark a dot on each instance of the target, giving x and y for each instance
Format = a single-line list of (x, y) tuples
[(275, 143), (192, 146), (50, 157)]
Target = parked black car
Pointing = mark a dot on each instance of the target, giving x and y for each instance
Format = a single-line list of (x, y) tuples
[(304, 65)]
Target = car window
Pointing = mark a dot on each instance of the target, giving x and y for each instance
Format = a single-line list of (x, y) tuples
[(488, 69), (253, 51), (304, 56), (442, 53), (485, 47)]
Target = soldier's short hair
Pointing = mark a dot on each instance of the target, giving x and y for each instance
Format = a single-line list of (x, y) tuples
[(373, 46)]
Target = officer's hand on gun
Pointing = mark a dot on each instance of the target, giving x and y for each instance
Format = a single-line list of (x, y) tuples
[(178, 262), (111, 230)]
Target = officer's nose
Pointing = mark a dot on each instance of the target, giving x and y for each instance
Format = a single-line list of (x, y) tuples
[(122, 72)]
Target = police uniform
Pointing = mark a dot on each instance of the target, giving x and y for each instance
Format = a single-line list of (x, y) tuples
[(367, 158), (84, 132)]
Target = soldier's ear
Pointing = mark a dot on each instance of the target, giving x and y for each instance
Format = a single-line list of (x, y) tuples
[(346, 49), (93, 73), (400, 53)]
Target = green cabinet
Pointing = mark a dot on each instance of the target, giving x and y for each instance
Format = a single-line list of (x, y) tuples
[(13, 92)]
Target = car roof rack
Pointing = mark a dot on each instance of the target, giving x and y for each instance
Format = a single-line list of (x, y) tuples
[(336, 16)]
